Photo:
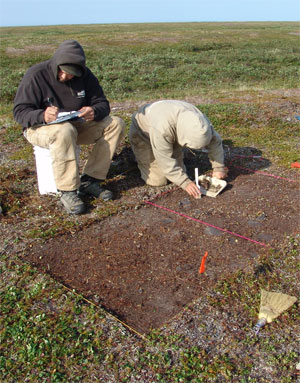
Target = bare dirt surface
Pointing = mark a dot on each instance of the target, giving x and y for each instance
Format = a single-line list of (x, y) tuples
[(142, 265), (138, 256), (140, 259), (31, 48)]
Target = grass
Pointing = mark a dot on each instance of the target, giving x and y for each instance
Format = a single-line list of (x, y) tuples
[(49, 332), (238, 74), (249, 125), (152, 60)]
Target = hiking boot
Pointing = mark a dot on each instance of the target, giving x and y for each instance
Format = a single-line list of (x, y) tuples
[(72, 202), (93, 187)]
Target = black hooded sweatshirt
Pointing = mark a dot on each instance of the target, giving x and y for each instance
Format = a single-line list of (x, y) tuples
[(40, 84)]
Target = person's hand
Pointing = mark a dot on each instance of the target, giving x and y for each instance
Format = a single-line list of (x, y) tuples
[(220, 174), (50, 114), (87, 112), (193, 190)]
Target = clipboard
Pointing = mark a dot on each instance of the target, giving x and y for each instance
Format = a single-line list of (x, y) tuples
[(65, 116)]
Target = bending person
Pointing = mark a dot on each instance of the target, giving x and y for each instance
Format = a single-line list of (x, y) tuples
[(160, 130)]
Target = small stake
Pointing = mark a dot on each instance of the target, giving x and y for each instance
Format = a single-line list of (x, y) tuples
[(197, 178), (202, 266), (197, 182)]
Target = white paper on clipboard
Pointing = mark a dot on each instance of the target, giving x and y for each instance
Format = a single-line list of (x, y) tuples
[(65, 116)]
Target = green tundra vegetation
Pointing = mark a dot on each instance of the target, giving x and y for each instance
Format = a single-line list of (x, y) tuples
[(179, 61), (243, 76), (142, 61)]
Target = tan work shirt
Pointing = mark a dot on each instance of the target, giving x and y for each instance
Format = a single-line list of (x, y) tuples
[(169, 123)]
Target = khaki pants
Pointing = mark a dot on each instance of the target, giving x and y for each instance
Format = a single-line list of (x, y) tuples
[(151, 173), (61, 140)]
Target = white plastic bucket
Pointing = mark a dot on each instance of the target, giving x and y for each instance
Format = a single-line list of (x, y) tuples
[(45, 177)]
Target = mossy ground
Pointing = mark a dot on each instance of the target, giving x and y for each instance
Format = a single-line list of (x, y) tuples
[(244, 77)]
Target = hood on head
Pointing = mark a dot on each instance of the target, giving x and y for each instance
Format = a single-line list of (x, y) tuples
[(193, 130), (69, 52)]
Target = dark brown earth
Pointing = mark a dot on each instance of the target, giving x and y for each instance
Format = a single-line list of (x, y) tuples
[(142, 264)]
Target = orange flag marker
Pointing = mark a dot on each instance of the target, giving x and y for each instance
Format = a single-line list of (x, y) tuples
[(202, 266), (295, 165)]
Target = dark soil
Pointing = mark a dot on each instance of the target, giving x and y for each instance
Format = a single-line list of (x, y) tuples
[(142, 264), (208, 186)]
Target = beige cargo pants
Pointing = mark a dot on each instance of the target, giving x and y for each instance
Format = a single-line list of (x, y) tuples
[(140, 143), (62, 139)]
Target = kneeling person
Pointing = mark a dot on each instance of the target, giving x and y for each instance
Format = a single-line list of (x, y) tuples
[(158, 133)]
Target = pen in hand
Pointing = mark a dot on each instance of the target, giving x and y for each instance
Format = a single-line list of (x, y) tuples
[(51, 111), (49, 101)]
